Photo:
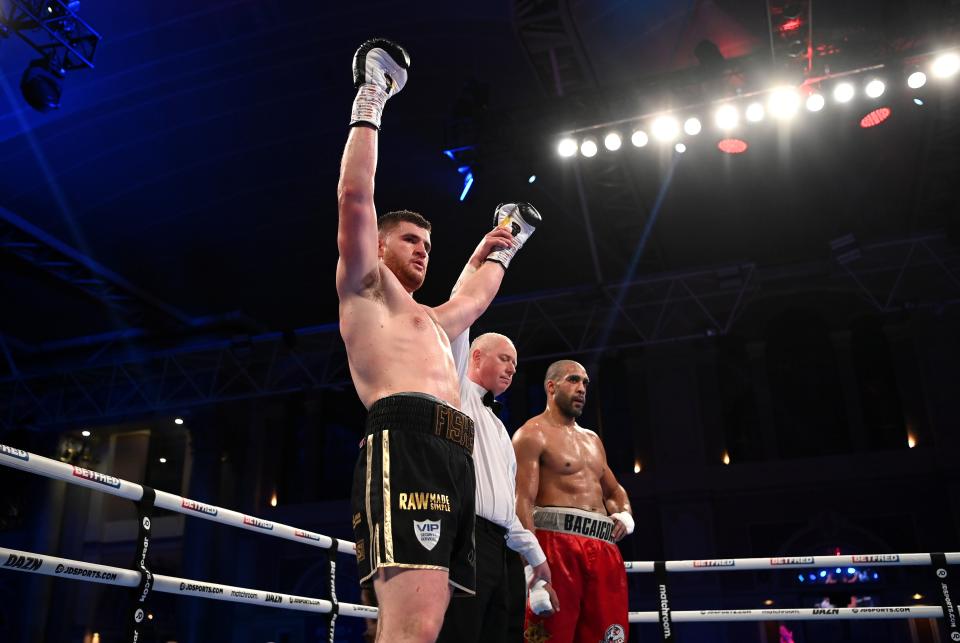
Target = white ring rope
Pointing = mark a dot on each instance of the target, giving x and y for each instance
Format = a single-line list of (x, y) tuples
[(790, 562), (32, 463), (52, 566), (25, 561)]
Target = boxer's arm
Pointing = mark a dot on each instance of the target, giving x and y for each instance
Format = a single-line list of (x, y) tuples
[(477, 286), (528, 446), (357, 227), (615, 499)]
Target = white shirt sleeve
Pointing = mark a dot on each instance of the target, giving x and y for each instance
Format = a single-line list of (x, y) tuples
[(460, 347), (523, 542)]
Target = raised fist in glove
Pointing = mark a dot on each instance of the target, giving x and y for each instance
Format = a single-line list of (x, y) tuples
[(521, 219), (379, 72)]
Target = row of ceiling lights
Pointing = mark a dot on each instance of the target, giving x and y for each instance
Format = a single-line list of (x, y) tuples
[(782, 103)]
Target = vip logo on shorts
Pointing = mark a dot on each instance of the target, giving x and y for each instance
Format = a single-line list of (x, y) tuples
[(428, 532), (361, 550), (614, 634)]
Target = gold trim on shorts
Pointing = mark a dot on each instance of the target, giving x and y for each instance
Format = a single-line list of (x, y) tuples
[(387, 523)]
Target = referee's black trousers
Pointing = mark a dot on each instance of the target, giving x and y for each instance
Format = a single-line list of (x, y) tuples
[(488, 616)]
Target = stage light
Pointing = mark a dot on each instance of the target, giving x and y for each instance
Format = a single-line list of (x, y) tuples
[(768, 602), (85, 433), (876, 576), (639, 138), (178, 420), (567, 147), (637, 468), (755, 112), (875, 88), (814, 577), (726, 116), (783, 102), (815, 102), (588, 147), (726, 458), (918, 596), (843, 92), (911, 441), (42, 84), (839, 570), (665, 128), (801, 577), (732, 146), (823, 573), (692, 126), (916, 80), (851, 570), (680, 148), (612, 141), (162, 460), (875, 117), (918, 101), (532, 179), (945, 65)]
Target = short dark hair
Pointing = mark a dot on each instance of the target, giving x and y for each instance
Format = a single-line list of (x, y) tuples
[(558, 370), (390, 219)]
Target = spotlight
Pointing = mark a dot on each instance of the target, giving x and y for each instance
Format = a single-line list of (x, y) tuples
[(680, 148), (916, 80), (875, 88), (85, 433), (589, 147), (945, 65), (639, 138), (532, 179), (612, 141), (784, 103), (754, 112), (851, 570), (567, 147), (823, 573), (875, 117), (692, 126), (178, 420), (815, 102), (843, 92), (726, 116), (918, 101), (163, 460), (42, 84), (665, 128), (732, 146)]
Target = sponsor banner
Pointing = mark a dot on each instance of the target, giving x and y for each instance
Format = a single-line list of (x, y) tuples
[(79, 572), (715, 563), (307, 535), (94, 476), (199, 507), (236, 593), (879, 610), (14, 453), (273, 598), (258, 523), (723, 612), (200, 587), (833, 611), (25, 563), (792, 560), (877, 558), (296, 600), (780, 612)]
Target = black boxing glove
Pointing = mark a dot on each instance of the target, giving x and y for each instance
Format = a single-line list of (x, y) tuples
[(521, 219), (379, 72)]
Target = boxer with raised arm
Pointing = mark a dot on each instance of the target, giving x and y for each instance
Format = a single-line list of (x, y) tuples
[(413, 487), (567, 493)]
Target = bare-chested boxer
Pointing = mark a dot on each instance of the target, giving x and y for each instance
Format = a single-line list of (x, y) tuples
[(413, 488), (566, 491)]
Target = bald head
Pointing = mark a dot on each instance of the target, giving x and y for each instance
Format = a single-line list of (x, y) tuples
[(566, 384), (493, 361)]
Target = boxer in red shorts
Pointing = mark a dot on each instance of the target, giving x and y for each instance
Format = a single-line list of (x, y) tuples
[(571, 500)]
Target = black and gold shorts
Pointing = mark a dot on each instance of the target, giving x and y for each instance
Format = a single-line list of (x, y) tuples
[(413, 490)]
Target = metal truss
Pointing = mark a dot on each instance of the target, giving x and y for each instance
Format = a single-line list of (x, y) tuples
[(52, 29), (48, 254), (588, 321)]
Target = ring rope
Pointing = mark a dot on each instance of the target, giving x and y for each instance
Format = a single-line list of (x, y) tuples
[(24, 561), (32, 463), (52, 566)]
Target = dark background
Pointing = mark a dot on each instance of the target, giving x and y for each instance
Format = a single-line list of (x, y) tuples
[(167, 249)]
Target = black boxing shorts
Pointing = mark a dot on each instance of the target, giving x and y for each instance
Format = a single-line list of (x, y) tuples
[(413, 490)]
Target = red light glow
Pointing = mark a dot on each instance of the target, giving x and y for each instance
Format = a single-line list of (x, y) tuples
[(791, 25), (732, 146), (875, 117)]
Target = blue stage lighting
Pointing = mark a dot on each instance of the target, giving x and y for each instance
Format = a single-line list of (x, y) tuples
[(851, 570), (467, 180), (875, 576), (800, 576), (839, 570), (823, 573), (813, 577)]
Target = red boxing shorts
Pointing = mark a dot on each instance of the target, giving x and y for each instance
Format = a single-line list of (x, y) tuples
[(588, 576)]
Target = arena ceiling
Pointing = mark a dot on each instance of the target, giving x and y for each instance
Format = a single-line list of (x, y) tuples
[(186, 186)]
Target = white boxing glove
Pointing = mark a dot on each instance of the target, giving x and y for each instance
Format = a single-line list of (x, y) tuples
[(626, 519), (539, 598), (521, 219), (379, 72)]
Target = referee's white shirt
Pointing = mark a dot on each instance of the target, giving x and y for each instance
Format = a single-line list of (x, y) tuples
[(494, 461)]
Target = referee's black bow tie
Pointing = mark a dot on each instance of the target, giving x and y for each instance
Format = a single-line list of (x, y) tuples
[(492, 403)]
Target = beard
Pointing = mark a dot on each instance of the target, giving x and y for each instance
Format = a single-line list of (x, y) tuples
[(565, 405), (407, 275)]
